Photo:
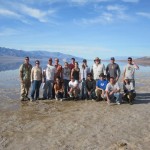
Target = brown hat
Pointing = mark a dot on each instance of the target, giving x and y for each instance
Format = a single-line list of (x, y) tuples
[(50, 59), (97, 58)]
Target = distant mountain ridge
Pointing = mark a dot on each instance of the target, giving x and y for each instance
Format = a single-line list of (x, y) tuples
[(36, 54)]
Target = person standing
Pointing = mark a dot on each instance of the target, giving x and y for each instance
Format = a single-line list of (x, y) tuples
[(98, 68), (76, 72), (83, 76), (113, 70), (72, 64), (25, 79), (36, 79), (48, 76), (113, 91), (66, 78), (129, 71)]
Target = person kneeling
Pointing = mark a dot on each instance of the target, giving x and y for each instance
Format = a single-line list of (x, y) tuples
[(100, 87), (58, 88), (90, 87), (113, 91), (74, 88), (129, 92)]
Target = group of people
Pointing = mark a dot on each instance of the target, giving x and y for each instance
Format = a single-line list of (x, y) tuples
[(71, 81)]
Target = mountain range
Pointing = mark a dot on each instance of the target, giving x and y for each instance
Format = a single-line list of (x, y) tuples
[(36, 54)]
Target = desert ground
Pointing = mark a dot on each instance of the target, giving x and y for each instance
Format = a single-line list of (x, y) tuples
[(74, 125)]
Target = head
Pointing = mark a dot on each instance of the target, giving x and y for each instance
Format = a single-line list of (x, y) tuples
[(26, 60), (66, 64), (72, 60), (76, 65), (72, 79), (56, 61), (112, 59), (129, 60), (89, 76), (97, 60), (102, 76), (58, 79), (50, 61), (112, 80), (37, 63), (126, 80)]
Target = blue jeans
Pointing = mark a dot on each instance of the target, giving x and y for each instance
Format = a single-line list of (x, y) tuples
[(116, 96), (47, 92), (35, 88), (66, 87)]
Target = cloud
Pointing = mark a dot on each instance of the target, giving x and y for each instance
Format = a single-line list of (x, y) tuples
[(131, 1), (144, 14), (6, 12), (118, 8)]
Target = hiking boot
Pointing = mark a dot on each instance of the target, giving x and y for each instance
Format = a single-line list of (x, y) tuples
[(22, 98)]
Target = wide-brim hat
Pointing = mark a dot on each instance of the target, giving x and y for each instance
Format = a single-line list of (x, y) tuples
[(97, 58)]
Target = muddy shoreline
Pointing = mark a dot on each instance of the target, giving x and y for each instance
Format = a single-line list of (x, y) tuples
[(75, 125)]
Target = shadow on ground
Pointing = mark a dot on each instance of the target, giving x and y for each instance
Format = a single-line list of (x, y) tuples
[(142, 98)]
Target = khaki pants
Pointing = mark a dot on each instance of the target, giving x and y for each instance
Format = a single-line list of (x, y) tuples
[(25, 88)]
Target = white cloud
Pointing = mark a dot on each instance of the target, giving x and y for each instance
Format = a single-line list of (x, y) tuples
[(131, 1), (116, 8), (144, 14), (6, 12)]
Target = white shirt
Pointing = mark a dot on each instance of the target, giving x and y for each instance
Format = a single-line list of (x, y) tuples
[(97, 70), (50, 72), (110, 87), (84, 72), (129, 71), (128, 87), (73, 84)]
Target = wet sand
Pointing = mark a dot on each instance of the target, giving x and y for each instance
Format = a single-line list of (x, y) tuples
[(75, 125)]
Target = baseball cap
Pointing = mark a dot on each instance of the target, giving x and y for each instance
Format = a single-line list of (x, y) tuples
[(50, 59), (129, 58), (112, 58), (84, 60), (37, 61), (27, 58)]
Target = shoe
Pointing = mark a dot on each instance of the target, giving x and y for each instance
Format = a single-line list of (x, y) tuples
[(56, 98), (22, 98), (118, 103), (61, 99), (32, 99)]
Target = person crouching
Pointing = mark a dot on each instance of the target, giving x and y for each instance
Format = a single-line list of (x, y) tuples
[(129, 91), (74, 88), (59, 89)]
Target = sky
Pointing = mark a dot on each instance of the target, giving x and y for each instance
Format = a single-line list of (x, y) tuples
[(83, 28)]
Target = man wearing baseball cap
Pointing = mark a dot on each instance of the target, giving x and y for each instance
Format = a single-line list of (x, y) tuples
[(25, 75), (113, 69), (48, 75)]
